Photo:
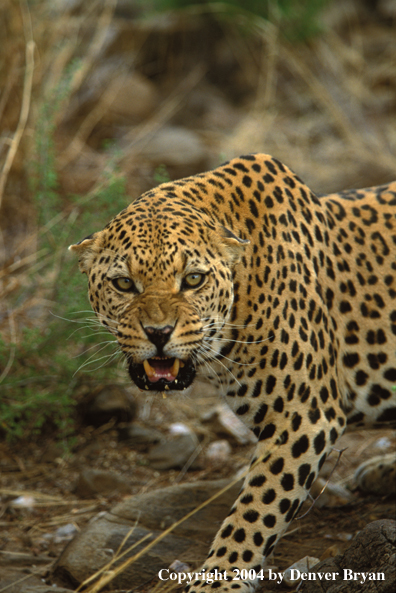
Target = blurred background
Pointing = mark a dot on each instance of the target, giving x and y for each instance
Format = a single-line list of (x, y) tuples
[(101, 100)]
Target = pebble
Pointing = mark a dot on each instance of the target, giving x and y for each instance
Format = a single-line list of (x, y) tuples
[(303, 565), (218, 452)]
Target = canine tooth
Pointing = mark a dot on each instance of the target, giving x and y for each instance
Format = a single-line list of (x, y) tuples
[(147, 387), (164, 395), (175, 367), (167, 387), (181, 363), (150, 372)]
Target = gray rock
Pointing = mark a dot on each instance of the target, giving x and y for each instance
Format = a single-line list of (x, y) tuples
[(139, 437), (175, 454), (377, 475), (173, 146), (92, 482), (45, 589), (372, 550), (104, 403), (148, 515)]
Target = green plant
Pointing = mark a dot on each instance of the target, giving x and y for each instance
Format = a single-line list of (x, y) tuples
[(296, 19), (49, 361), (161, 175)]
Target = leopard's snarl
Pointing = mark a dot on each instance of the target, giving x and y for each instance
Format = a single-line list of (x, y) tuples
[(284, 301)]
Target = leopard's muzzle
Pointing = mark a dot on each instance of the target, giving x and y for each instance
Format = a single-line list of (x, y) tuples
[(162, 374)]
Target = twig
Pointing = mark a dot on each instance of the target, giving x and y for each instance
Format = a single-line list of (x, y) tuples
[(72, 151), (25, 107), (12, 349), (340, 452), (103, 24), (11, 79)]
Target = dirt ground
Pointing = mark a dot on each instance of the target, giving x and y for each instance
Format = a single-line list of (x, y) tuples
[(31, 527)]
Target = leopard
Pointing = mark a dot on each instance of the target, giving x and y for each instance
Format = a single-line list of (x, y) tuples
[(283, 300)]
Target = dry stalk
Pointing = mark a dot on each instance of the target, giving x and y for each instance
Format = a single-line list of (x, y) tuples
[(107, 573), (25, 107), (11, 356), (168, 109), (94, 49), (12, 77), (347, 130), (72, 151), (266, 87), (320, 92)]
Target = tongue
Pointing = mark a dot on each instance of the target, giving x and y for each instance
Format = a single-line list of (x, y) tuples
[(161, 368)]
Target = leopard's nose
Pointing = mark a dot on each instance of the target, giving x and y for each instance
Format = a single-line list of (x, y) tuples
[(159, 335)]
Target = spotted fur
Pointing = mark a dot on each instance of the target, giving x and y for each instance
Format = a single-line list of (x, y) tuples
[(284, 301)]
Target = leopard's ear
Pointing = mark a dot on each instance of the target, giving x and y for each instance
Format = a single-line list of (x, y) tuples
[(87, 249), (235, 246)]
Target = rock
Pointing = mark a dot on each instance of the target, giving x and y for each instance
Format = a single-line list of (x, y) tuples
[(92, 482), (177, 428), (329, 495), (141, 515), (134, 99), (129, 97), (178, 566), (373, 550), (45, 589), (303, 565), (224, 423), (377, 475), (139, 437), (82, 169), (218, 452), (175, 454), (178, 148), (104, 403)]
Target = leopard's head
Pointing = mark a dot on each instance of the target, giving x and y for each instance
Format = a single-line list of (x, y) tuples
[(161, 279)]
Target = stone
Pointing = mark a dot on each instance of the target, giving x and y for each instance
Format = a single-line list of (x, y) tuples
[(218, 452), (373, 550), (104, 403), (377, 475), (92, 482), (129, 96), (173, 146), (135, 98), (327, 494), (303, 565), (139, 437), (175, 453), (225, 424), (148, 515)]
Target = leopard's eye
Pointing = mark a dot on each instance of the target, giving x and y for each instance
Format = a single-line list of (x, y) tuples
[(193, 280), (124, 284)]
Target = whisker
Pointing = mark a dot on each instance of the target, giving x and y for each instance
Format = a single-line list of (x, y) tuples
[(108, 356), (220, 362), (97, 346), (214, 338), (219, 355)]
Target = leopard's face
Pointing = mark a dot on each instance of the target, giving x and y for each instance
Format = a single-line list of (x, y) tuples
[(165, 293)]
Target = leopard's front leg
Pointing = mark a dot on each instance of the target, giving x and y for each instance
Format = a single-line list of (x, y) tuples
[(287, 460)]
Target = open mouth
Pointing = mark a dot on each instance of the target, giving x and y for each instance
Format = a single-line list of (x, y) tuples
[(162, 374)]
